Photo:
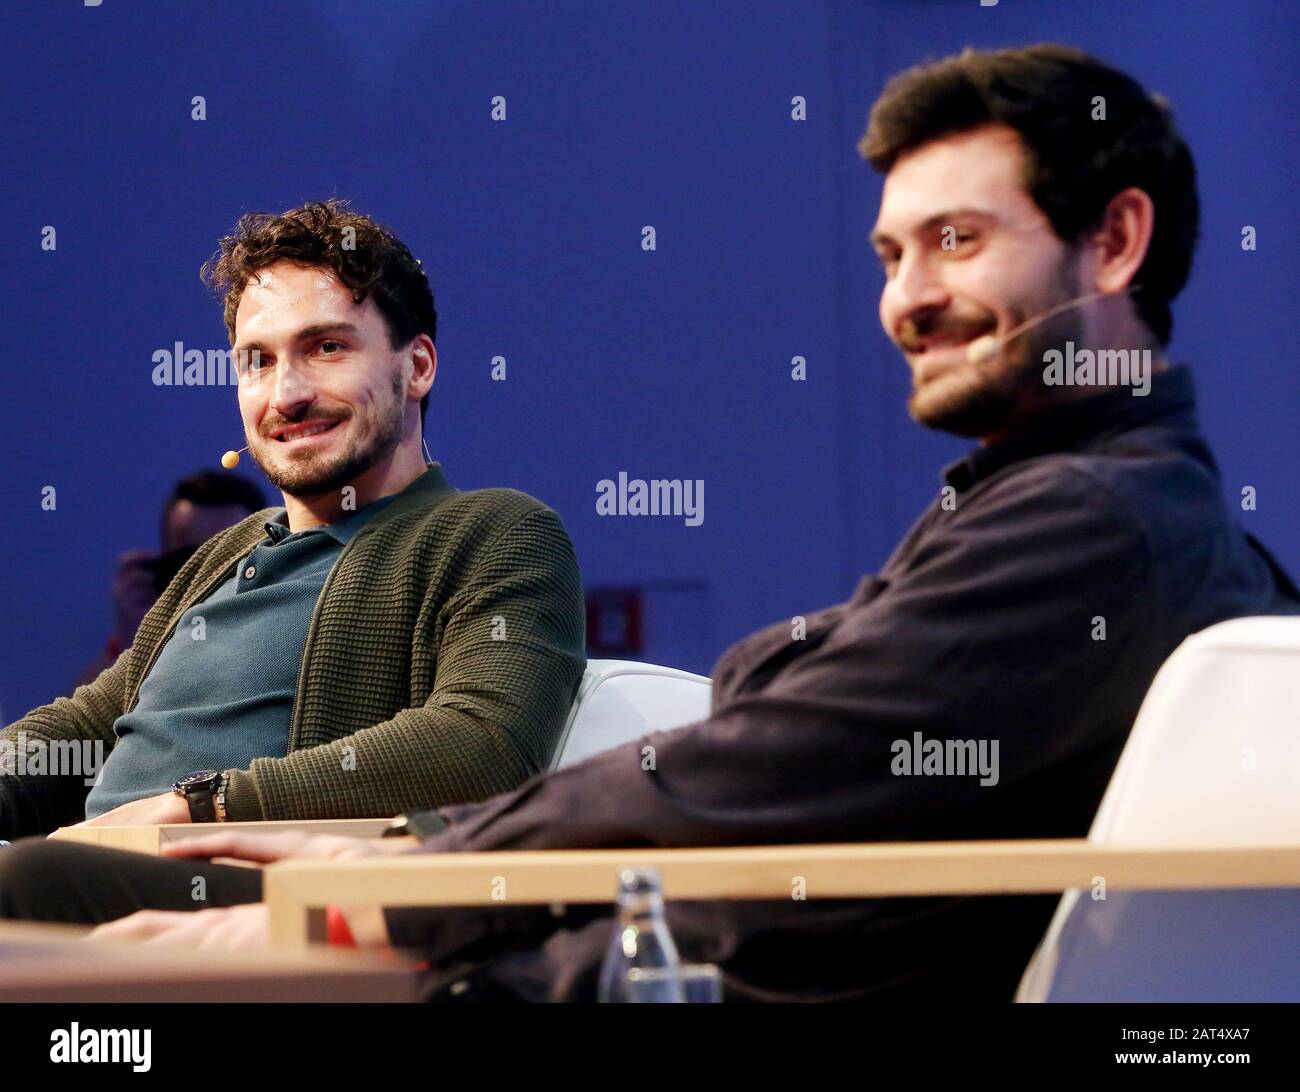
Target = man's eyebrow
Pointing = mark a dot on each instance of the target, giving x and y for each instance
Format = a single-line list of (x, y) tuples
[(939, 219), (305, 334)]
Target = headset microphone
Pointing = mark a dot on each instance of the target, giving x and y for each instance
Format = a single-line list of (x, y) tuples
[(230, 459), (983, 349)]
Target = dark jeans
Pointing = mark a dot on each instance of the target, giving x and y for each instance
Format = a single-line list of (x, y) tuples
[(42, 880)]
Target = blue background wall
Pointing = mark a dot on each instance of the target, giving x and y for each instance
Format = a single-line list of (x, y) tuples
[(671, 364)]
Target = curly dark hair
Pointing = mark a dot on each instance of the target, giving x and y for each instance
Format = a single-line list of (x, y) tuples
[(1074, 165), (214, 489), (313, 235)]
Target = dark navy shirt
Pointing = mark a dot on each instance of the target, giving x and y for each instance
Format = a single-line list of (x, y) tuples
[(221, 692), (1028, 609)]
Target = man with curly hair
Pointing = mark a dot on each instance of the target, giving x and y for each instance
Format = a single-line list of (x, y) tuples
[(383, 642)]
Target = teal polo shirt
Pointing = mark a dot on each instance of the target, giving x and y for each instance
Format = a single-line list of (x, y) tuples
[(221, 692)]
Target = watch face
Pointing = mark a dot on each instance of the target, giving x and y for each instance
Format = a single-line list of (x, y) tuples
[(190, 781)]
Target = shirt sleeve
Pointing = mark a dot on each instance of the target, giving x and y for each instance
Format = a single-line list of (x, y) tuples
[(76, 731), (1027, 620)]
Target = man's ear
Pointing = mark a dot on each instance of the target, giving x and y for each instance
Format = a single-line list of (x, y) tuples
[(1120, 241), (424, 367)]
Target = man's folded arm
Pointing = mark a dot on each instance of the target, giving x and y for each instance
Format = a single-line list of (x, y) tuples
[(38, 792), (990, 635), (509, 650)]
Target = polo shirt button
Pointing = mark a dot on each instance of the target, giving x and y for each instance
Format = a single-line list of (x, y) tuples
[(250, 572)]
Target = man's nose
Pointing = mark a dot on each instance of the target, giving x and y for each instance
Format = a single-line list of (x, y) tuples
[(292, 391), (915, 288)]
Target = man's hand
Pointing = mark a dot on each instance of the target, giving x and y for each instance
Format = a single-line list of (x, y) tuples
[(165, 808), (267, 848), (240, 927), (234, 928), (229, 928)]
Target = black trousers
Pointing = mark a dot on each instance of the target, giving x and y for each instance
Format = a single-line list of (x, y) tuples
[(41, 880)]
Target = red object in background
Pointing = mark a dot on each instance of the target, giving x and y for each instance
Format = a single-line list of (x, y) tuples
[(337, 933), (614, 621)]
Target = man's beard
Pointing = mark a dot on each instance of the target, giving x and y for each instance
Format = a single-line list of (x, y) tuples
[(316, 476), (969, 399)]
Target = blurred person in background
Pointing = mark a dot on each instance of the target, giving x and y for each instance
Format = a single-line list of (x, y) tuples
[(198, 507)]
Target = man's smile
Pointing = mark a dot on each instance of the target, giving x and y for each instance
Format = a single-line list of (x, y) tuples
[(303, 433)]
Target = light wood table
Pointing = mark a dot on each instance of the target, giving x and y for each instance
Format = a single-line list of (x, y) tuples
[(53, 963), (297, 891), (150, 838)]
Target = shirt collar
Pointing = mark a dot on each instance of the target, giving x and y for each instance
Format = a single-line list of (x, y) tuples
[(1077, 424), (345, 528)]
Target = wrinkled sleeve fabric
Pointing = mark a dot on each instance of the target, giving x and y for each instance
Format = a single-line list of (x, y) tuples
[(1028, 617), (39, 802)]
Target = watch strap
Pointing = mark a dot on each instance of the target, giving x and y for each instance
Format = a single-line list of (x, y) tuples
[(219, 798), (203, 807)]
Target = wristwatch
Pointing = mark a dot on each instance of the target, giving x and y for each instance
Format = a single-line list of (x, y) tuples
[(416, 824), (205, 793)]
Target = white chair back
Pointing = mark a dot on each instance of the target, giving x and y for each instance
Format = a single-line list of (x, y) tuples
[(621, 700), (1213, 759)]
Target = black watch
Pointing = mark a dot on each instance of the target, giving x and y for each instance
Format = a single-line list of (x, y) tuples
[(200, 791), (416, 824)]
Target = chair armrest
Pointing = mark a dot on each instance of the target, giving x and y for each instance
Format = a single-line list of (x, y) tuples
[(150, 838), (297, 891)]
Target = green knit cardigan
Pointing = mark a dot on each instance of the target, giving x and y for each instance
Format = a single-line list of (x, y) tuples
[(439, 666)]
